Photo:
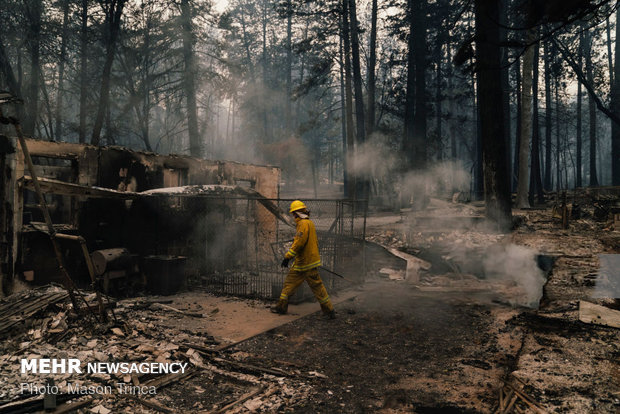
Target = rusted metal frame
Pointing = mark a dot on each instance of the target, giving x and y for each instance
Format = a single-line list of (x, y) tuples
[(89, 265)]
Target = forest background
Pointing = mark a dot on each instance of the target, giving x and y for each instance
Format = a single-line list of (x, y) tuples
[(387, 100)]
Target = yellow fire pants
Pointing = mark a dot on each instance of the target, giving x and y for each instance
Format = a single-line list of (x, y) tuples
[(292, 282)]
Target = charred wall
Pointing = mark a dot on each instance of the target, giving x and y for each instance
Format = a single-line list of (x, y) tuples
[(7, 164), (173, 226)]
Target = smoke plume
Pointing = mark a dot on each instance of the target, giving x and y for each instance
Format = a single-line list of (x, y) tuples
[(518, 265)]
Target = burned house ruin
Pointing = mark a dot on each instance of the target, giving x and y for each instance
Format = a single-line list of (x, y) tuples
[(150, 220)]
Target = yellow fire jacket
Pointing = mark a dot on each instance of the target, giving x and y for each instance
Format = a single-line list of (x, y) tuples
[(305, 248)]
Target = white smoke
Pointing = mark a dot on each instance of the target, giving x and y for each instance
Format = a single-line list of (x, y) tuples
[(442, 178), (379, 160), (517, 265), (376, 158)]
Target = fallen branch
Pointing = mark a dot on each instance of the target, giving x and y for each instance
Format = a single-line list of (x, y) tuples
[(512, 402), (161, 306), (526, 398), (201, 348), (67, 408), (151, 404), (168, 379), (252, 368), (241, 400)]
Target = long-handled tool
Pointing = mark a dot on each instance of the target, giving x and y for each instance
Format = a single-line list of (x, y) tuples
[(332, 272), (336, 274)]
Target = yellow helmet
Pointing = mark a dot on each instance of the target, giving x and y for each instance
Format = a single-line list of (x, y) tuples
[(296, 205)]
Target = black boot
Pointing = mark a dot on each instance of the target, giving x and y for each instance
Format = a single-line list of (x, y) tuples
[(281, 307), (331, 314), (328, 311)]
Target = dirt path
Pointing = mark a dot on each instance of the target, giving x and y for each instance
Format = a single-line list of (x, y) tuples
[(231, 320), (445, 342), (396, 349)]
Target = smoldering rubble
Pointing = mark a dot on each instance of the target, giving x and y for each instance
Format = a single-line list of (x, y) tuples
[(436, 310), (136, 338), (436, 330)]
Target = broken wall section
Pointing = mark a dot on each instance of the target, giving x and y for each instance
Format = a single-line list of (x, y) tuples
[(109, 222), (7, 219)]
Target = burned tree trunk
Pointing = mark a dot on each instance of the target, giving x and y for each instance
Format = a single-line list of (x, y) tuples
[(357, 75), (578, 151), (526, 124), (33, 9), (372, 62), (517, 145), (615, 107), (488, 59), (419, 118), (114, 12), (343, 117), (414, 139), (289, 66), (591, 111), (506, 88), (557, 134), (189, 80), (548, 58), (264, 111), (351, 183), (7, 72), (83, 69), (535, 170), (362, 183), (61, 69)]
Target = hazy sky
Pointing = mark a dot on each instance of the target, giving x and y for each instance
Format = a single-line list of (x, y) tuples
[(220, 5)]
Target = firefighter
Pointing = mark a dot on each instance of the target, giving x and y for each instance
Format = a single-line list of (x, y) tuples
[(305, 251)]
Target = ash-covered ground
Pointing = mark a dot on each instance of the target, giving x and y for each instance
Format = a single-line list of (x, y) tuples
[(444, 338)]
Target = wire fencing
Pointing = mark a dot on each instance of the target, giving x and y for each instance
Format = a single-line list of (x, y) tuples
[(251, 265)]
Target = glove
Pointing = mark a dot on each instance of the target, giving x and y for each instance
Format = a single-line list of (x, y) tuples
[(285, 262)]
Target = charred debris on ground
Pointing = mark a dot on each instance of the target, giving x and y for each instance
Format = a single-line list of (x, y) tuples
[(451, 318)]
